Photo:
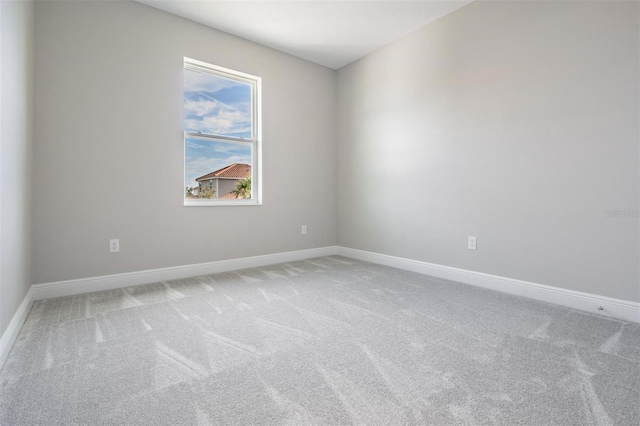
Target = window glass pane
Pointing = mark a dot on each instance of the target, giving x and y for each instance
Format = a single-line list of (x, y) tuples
[(217, 170), (216, 105)]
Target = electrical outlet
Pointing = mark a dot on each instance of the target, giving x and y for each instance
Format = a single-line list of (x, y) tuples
[(304, 229), (114, 246), (471, 244)]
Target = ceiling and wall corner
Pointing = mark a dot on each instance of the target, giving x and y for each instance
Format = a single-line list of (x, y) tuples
[(330, 33)]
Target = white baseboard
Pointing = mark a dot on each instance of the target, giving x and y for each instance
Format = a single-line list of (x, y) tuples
[(616, 308), (129, 279), (11, 333)]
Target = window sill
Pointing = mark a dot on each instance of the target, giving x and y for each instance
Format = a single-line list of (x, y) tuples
[(221, 203)]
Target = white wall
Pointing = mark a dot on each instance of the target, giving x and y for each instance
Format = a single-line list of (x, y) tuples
[(109, 119), (516, 122), (16, 153)]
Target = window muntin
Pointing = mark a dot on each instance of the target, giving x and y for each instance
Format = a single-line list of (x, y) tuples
[(221, 134)]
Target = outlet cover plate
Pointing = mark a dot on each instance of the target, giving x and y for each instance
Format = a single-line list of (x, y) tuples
[(471, 244)]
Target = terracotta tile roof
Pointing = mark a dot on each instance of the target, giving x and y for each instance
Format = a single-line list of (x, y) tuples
[(234, 171)]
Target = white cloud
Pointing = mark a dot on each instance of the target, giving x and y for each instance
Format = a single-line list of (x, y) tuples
[(215, 117)]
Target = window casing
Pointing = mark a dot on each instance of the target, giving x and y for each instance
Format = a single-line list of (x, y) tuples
[(222, 133)]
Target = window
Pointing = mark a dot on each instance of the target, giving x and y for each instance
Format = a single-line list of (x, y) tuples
[(222, 137)]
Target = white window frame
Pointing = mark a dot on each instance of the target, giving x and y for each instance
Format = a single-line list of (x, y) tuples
[(255, 141)]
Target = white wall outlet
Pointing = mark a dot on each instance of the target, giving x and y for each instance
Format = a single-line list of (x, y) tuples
[(114, 246), (304, 229), (471, 244)]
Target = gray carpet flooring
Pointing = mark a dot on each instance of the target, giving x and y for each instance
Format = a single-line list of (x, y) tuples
[(324, 341)]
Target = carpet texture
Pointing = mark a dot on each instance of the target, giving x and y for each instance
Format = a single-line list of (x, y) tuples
[(325, 341)]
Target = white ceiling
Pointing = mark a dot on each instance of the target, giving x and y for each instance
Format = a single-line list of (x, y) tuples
[(332, 33)]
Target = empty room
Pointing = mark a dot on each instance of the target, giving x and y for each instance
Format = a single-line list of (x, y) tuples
[(319, 212)]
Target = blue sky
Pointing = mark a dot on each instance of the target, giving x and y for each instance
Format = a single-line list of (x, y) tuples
[(216, 105), (220, 106)]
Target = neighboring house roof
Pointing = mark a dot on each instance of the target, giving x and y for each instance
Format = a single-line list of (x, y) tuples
[(234, 171)]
